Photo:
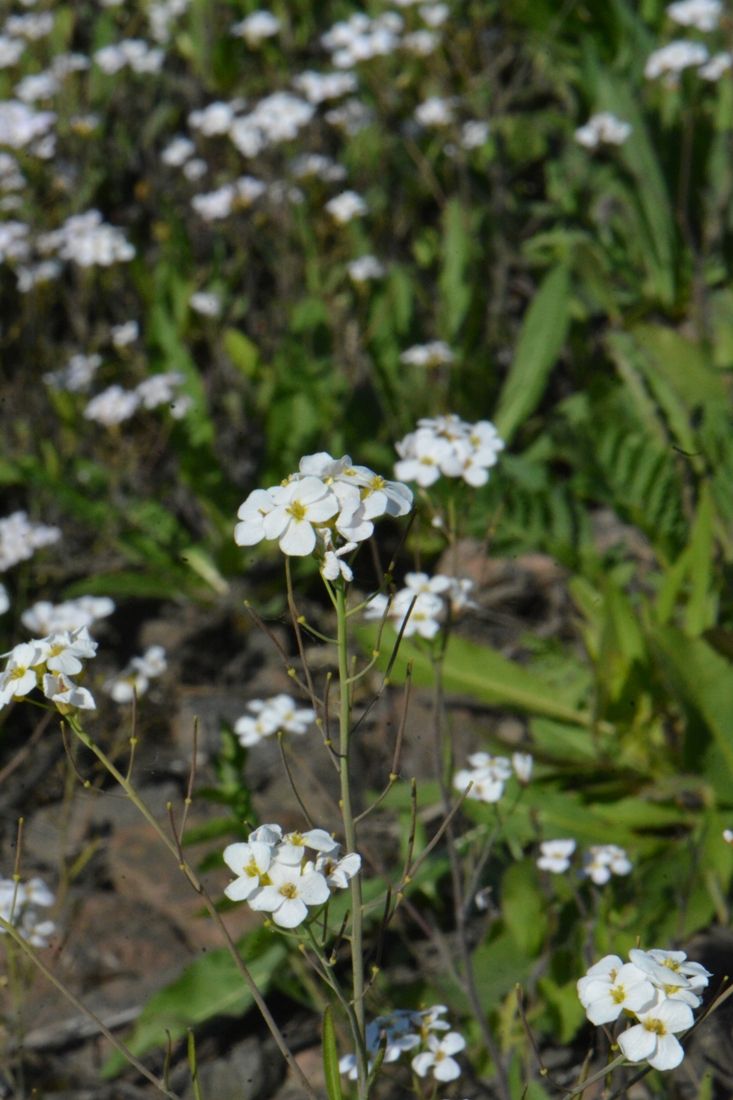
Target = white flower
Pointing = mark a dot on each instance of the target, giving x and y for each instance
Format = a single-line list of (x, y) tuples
[(603, 129), (62, 652), (207, 303), (289, 894), (728, 836), (434, 14), (252, 513), (611, 987), (474, 134), (674, 978), (718, 64), (250, 862), (300, 505), (4, 599), (338, 871), (449, 446), (62, 690), (112, 406), (20, 674), (256, 27), (365, 268), (346, 206), (125, 334), (44, 618), (704, 15), (319, 87), (438, 1057), (604, 860), (78, 374), (653, 1038), (435, 112), (555, 855), (435, 354), (333, 567), (669, 61), (522, 763), (19, 538), (178, 151)]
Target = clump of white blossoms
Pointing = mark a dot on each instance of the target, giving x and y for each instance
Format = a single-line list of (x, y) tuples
[(78, 374), (424, 604), (488, 775), (365, 268), (49, 664), (85, 239), (326, 509), (345, 207), (603, 860), (271, 716), (256, 27), (19, 903), (44, 617), (603, 128), (134, 680), (451, 447), (285, 875), (20, 538), (704, 15), (435, 354), (555, 855), (415, 1032), (600, 861), (658, 989), (669, 61)]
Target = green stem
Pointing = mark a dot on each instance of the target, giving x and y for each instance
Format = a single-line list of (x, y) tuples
[(347, 813)]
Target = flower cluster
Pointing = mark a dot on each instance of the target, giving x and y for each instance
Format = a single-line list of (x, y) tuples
[(18, 906), (488, 775), (657, 988), (271, 716), (20, 538), (49, 664), (668, 62), (134, 680), (599, 862), (405, 1030), (448, 446), (44, 617), (328, 507), (603, 129), (423, 605), (285, 874)]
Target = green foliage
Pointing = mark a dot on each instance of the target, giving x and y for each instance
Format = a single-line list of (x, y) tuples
[(212, 985)]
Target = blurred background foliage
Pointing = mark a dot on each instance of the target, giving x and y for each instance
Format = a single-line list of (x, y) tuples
[(587, 299)]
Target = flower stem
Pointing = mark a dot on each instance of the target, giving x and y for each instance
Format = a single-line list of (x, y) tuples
[(347, 813)]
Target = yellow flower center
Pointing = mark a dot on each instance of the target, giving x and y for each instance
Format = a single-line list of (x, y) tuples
[(657, 1026), (296, 510), (289, 890)]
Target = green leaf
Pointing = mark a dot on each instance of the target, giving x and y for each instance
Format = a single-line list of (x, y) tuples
[(523, 908), (331, 1059), (211, 986), (482, 673), (242, 352), (702, 680), (541, 339)]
